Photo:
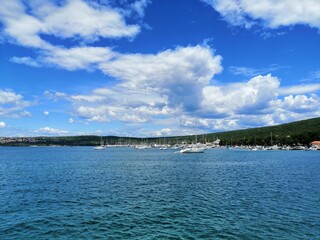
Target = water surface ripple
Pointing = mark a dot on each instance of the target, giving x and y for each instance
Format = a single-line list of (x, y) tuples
[(123, 193)]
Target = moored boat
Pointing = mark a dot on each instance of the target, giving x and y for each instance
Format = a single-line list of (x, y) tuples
[(192, 150), (101, 147)]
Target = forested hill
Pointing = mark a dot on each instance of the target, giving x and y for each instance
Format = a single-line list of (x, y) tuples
[(301, 132), (295, 133)]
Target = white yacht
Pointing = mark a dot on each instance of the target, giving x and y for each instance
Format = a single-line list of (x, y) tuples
[(192, 150), (101, 147)]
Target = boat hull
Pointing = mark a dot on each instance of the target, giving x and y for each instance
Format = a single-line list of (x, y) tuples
[(99, 148), (192, 150)]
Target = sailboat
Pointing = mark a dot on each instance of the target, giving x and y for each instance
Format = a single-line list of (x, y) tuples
[(193, 149), (101, 147)]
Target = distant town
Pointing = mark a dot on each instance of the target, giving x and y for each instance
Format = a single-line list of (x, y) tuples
[(31, 140)]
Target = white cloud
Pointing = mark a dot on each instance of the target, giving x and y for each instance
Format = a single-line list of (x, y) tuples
[(54, 96), (179, 74), (46, 113), (87, 98), (300, 89), (2, 124), (139, 6), (51, 131), (299, 103), (251, 72), (9, 97), (210, 124), (272, 13), (256, 102), (150, 86), (122, 96), (245, 71), (27, 23), (77, 57), (127, 105), (97, 113), (170, 130), (19, 26), (76, 18), (241, 98), (71, 120), (106, 113), (24, 113), (13, 104), (25, 60), (164, 132)]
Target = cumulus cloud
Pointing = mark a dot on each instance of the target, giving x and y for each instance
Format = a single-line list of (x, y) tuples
[(75, 18), (78, 18), (150, 86), (20, 27), (179, 74), (51, 131), (105, 113), (169, 130), (2, 124), (299, 103), (272, 14), (163, 132), (207, 123), (241, 98), (26, 23), (77, 57), (255, 108), (9, 97), (13, 104), (104, 105), (256, 102)]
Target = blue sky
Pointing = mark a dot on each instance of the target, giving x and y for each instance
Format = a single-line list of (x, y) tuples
[(156, 67)]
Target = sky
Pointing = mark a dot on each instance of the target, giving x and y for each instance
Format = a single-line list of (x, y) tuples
[(151, 68)]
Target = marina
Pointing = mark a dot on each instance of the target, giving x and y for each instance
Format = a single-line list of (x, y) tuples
[(156, 120)]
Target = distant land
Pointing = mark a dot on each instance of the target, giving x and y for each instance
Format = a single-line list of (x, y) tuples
[(295, 133)]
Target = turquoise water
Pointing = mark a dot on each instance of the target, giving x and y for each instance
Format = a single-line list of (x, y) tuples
[(123, 193)]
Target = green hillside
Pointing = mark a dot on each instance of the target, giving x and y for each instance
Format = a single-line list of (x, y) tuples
[(301, 132)]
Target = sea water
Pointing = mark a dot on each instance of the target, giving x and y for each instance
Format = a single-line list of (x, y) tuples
[(125, 193)]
